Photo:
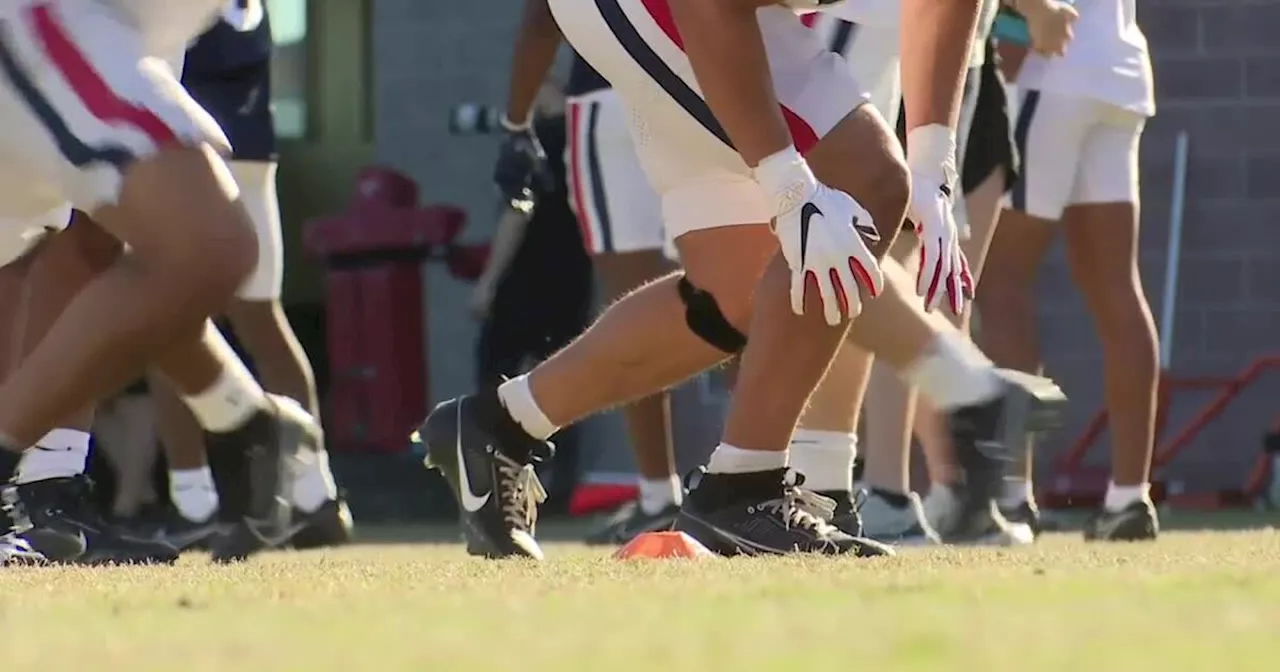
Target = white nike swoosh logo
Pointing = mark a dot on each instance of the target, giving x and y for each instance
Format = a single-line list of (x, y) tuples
[(470, 501)]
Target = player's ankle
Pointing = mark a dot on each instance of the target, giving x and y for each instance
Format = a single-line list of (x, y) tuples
[(894, 497), (59, 454), (953, 373), (313, 483), (727, 459), (657, 494), (193, 493), (516, 396), (825, 458), (1015, 492), (1120, 496), (230, 402)]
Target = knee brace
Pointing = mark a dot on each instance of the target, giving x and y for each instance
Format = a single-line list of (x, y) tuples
[(705, 320)]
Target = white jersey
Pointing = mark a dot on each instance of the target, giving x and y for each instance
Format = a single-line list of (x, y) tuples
[(1107, 60)]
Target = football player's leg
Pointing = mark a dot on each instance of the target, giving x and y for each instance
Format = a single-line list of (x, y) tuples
[(1101, 230)]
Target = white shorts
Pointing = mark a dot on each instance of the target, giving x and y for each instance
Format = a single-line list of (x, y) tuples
[(1074, 151), (873, 55), (81, 99), (257, 182), (617, 208), (19, 234), (690, 160)]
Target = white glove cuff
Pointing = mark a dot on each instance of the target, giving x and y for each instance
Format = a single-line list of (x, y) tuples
[(931, 149), (786, 178)]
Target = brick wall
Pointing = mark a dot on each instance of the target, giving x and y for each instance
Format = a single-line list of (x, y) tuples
[(1217, 65), (1218, 76)]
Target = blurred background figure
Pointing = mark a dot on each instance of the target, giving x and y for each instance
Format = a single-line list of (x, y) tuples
[(1081, 114), (535, 293)]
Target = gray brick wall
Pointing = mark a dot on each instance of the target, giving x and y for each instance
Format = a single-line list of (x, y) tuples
[(1218, 76)]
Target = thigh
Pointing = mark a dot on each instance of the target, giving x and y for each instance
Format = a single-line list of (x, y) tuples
[(1049, 132), (617, 208), (83, 100)]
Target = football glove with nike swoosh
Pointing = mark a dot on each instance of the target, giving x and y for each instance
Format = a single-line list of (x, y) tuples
[(824, 237), (944, 271)]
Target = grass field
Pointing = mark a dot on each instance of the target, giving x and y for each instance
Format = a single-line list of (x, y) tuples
[(1196, 600)]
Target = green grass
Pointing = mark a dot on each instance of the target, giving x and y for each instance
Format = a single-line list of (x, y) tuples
[(1193, 601)]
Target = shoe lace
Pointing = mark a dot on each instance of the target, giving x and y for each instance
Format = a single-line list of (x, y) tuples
[(800, 508), (521, 493), (15, 518)]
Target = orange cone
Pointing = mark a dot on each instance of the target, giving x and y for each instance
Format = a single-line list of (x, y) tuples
[(663, 545)]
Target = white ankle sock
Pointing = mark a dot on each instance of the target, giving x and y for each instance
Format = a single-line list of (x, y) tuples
[(59, 454), (727, 459), (193, 493), (229, 403), (953, 373), (659, 493), (313, 483), (1016, 491), (517, 397), (825, 458), (1120, 496)]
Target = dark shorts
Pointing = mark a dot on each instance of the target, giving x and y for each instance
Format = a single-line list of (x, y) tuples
[(989, 145), (241, 104)]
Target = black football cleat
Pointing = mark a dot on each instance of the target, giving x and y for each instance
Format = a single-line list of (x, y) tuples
[(847, 516), (488, 461), (766, 513), (16, 552), (632, 521), (329, 525), (1026, 513), (64, 525), (1135, 522), (270, 442), (987, 438), (176, 530)]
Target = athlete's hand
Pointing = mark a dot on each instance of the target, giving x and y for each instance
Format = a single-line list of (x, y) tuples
[(943, 269), (823, 234), (521, 164), (1051, 24)]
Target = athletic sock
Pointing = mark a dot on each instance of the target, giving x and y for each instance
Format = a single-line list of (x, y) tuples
[(59, 454), (953, 373), (825, 458), (1017, 491), (313, 483), (230, 402), (657, 494), (1121, 496), (727, 459), (193, 493), (517, 397)]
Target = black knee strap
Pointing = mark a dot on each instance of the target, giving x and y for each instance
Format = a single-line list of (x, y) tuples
[(702, 314)]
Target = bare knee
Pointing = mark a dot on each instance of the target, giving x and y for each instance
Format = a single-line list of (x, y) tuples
[(886, 198), (727, 264), (179, 214)]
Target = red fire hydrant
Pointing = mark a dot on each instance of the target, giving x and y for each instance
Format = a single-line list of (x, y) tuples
[(375, 306)]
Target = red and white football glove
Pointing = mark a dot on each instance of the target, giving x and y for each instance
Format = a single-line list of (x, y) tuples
[(824, 236), (944, 272)]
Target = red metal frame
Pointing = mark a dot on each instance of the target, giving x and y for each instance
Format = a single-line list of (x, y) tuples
[(1074, 485)]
